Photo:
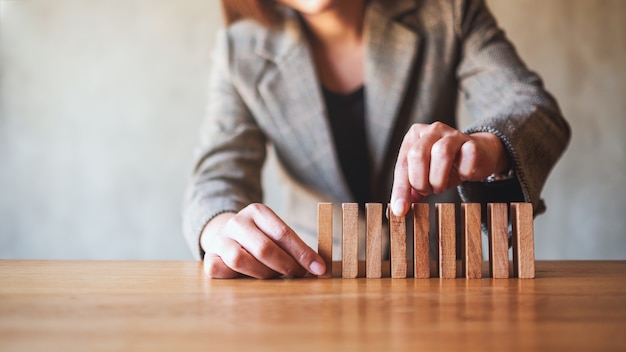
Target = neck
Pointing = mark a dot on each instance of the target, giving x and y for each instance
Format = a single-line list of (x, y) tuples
[(337, 25)]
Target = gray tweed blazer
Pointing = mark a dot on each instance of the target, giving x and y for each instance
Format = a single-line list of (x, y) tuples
[(419, 54)]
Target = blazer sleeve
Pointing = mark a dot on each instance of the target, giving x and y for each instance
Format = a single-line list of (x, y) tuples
[(227, 164), (506, 99)]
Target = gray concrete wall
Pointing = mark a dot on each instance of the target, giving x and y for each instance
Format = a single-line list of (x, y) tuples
[(579, 48), (100, 103)]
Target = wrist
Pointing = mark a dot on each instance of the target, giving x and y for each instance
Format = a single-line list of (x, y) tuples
[(500, 158), (502, 169)]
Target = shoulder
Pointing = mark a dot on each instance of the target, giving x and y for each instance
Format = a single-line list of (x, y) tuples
[(241, 37), (246, 38), (247, 50), (428, 14)]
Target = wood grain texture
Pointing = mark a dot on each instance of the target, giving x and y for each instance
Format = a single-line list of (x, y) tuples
[(350, 241), (446, 226), (171, 306), (373, 235), (523, 240), (472, 241), (397, 233), (325, 236), (498, 224), (421, 241)]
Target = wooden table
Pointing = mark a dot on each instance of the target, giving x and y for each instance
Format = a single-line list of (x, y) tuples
[(171, 306)]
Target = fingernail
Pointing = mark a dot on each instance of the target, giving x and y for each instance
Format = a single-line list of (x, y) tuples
[(398, 207), (317, 268)]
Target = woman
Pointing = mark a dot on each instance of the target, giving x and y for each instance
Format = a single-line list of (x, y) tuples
[(358, 99)]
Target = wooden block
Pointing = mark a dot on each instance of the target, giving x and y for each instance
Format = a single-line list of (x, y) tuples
[(421, 242), (523, 240), (397, 230), (350, 242), (325, 236), (498, 225), (373, 240), (472, 245), (447, 240)]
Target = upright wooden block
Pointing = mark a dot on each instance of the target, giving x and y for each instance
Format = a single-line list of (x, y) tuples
[(373, 240), (498, 224), (472, 244), (397, 230), (350, 242), (447, 240), (523, 240), (325, 236), (421, 242)]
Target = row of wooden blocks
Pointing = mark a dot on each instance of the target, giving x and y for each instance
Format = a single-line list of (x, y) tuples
[(521, 215)]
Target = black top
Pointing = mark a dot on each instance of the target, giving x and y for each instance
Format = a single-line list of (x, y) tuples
[(346, 113)]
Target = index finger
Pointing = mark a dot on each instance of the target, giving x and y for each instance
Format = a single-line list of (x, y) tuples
[(401, 189), (289, 241)]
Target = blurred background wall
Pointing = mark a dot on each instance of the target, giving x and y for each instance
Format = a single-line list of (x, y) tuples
[(100, 102)]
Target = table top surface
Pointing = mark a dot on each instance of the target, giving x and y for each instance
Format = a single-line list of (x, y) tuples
[(172, 306)]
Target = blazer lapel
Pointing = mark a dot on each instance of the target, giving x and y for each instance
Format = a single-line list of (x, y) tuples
[(292, 94), (390, 54)]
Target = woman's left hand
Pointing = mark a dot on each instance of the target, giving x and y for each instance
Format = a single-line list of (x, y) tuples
[(434, 158)]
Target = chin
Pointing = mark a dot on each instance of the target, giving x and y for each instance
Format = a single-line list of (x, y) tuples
[(310, 7)]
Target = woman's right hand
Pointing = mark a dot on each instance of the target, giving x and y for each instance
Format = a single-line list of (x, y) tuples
[(255, 242)]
